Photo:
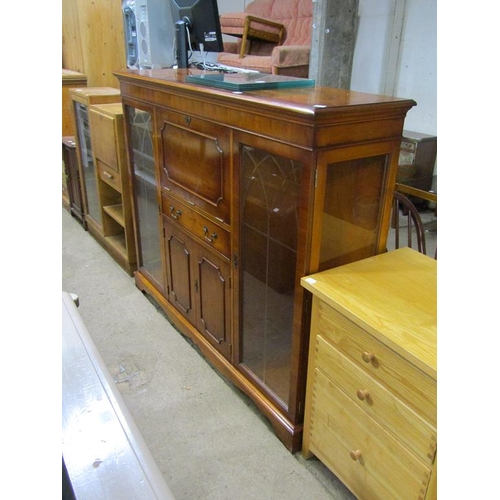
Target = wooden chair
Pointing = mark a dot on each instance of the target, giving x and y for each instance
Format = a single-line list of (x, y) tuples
[(404, 210)]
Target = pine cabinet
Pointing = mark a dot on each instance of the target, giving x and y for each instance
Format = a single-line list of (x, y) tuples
[(371, 402), (245, 194), (81, 99), (108, 139), (104, 172)]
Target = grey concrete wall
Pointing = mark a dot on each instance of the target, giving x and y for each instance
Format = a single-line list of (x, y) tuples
[(333, 42)]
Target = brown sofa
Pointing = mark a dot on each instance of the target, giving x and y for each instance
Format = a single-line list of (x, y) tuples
[(273, 36)]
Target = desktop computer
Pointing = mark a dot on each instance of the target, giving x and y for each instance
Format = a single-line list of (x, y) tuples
[(149, 34)]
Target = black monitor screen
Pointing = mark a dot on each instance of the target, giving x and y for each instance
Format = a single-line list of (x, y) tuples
[(202, 20)]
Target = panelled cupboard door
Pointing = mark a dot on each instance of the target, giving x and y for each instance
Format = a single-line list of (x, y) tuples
[(179, 257), (199, 287), (213, 302)]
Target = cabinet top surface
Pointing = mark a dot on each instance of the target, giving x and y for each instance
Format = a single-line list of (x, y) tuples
[(111, 109), (95, 91), (393, 296), (308, 100), (418, 136), (68, 74)]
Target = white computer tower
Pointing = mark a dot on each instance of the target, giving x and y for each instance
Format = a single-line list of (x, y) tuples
[(149, 34)]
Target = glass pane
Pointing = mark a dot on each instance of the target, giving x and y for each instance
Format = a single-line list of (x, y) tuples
[(351, 211), (89, 170), (141, 131), (270, 197)]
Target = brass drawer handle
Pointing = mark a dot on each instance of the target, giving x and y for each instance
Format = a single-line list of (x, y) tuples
[(177, 214), (213, 236), (355, 455), (106, 174)]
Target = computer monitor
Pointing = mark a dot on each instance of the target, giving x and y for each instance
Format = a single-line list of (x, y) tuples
[(197, 27)]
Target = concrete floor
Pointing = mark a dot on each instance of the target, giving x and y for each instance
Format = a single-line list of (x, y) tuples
[(207, 438)]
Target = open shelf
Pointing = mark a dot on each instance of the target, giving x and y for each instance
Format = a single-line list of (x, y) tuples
[(116, 212), (118, 243)]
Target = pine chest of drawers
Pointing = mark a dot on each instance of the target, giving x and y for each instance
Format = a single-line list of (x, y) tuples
[(371, 400)]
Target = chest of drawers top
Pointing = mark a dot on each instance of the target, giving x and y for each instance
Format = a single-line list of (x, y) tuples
[(393, 297)]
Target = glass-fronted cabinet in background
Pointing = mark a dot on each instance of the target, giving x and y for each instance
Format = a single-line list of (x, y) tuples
[(139, 123), (83, 98)]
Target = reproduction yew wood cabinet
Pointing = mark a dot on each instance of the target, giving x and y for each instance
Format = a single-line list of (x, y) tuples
[(237, 195), (371, 401)]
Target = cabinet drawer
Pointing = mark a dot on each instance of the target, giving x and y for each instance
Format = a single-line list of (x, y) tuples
[(369, 460), (195, 159), (110, 176), (397, 374), (377, 401), (103, 126), (202, 228)]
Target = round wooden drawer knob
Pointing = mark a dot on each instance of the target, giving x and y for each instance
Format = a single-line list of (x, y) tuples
[(368, 357), (355, 455), (363, 394)]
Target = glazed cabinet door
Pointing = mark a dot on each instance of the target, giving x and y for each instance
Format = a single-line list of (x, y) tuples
[(147, 224), (272, 192), (352, 204), (199, 286), (89, 170)]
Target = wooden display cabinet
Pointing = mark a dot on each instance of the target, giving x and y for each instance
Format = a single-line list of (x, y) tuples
[(371, 403), (82, 98), (103, 169), (236, 197), (70, 79), (72, 189), (108, 141)]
